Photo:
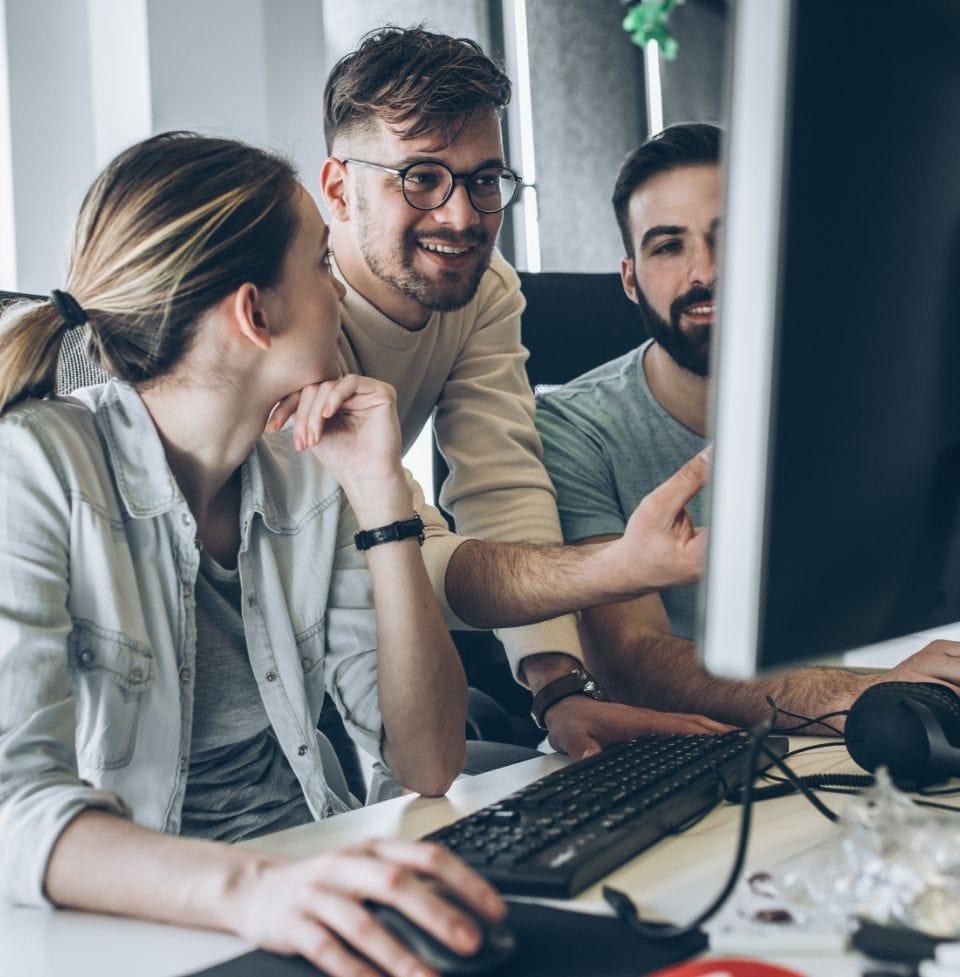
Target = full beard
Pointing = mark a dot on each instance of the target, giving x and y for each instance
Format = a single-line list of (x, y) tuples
[(688, 347), (446, 291)]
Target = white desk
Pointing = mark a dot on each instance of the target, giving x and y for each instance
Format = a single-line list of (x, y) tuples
[(673, 880)]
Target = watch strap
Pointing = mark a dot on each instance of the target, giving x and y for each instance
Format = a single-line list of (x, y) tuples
[(405, 529), (577, 682)]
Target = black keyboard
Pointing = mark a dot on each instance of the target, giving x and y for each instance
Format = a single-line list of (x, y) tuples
[(561, 833)]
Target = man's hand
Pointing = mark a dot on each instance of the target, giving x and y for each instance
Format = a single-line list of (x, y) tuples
[(938, 661), (660, 545), (580, 726)]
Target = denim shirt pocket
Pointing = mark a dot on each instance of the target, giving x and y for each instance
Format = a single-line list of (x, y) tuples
[(109, 674)]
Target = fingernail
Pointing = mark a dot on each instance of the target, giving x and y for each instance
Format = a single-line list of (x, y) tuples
[(465, 937), (298, 443)]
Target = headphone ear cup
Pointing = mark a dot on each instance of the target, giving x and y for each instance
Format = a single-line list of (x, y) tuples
[(911, 728), (879, 732)]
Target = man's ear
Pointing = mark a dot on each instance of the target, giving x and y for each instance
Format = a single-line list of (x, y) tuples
[(333, 186), (249, 317), (628, 278)]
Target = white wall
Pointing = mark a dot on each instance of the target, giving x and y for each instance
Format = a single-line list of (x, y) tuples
[(88, 77), (85, 79), (119, 75), (8, 258), (50, 132)]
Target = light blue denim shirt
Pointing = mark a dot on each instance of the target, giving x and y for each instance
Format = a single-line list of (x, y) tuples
[(97, 634)]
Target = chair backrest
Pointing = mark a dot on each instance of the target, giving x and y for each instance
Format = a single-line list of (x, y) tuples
[(574, 322), (8, 298), (74, 369)]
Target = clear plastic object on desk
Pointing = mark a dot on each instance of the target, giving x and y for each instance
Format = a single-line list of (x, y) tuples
[(890, 861)]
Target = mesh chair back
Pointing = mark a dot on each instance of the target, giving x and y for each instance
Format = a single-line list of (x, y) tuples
[(75, 368)]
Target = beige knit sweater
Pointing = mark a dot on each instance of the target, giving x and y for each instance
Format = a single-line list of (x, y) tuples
[(468, 366)]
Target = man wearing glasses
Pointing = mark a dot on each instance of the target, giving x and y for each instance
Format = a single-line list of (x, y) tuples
[(416, 184)]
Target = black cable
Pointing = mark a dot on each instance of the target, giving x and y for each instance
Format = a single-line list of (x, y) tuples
[(830, 815), (939, 791), (834, 783), (624, 906), (935, 804), (814, 746), (807, 721)]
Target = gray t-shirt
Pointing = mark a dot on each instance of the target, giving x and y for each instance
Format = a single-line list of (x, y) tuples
[(239, 783), (607, 442)]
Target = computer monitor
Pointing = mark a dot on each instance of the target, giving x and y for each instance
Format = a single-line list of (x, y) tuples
[(835, 503)]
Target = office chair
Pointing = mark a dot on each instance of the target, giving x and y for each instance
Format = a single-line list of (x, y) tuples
[(573, 322)]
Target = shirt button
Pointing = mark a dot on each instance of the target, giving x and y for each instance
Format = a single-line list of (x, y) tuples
[(87, 658), (183, 764), (251, 601), (136, 675), (185, 519), (271, 676), (307, 663), (301, 750), (328, 810), (185, 675)]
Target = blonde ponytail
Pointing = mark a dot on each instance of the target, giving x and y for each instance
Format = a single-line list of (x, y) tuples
[(30, 338), (171, 226)]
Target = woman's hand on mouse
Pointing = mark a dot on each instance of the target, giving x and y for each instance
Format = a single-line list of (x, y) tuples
[(315, 907)]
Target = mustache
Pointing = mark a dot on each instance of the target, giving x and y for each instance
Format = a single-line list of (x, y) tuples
[(698, 295), (470, 237)]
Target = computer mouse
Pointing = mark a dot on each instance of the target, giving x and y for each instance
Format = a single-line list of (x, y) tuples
[(726, 967), (497, 944)]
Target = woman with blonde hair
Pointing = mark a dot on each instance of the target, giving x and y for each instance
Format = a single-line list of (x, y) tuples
[(180, 581)]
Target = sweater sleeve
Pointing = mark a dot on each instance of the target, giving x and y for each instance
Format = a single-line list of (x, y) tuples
[(498, 488), (41, 791)]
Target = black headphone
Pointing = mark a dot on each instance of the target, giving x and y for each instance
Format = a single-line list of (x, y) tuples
[(912, 728)]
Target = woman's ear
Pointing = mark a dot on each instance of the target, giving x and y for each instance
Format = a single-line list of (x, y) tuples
[(248, 315), (333, 186)]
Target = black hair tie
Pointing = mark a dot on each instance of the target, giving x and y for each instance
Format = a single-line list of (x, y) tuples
[(69, 308)]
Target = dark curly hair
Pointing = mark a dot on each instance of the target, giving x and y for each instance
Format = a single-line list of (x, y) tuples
[(415, 81)]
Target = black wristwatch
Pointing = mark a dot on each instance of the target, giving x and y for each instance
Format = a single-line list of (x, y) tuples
[(406, 529), (577, 682)]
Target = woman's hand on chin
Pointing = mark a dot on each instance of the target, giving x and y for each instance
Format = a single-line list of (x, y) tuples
[(350, 424)]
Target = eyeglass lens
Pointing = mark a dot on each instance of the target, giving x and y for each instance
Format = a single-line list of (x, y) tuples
[(427, 186)]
